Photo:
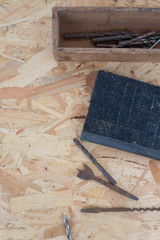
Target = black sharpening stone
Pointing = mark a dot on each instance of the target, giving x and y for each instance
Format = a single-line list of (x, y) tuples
[(125, 114)]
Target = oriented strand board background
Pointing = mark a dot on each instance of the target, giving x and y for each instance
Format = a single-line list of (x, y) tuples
[(38, 159)]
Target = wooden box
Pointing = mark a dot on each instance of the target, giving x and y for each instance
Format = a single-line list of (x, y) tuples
[(93, 19)]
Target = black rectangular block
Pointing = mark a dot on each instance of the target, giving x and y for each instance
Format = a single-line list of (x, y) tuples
[(124, 113)]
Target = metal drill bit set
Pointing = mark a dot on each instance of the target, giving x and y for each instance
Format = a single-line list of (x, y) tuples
[(119, 39), (87, 174)]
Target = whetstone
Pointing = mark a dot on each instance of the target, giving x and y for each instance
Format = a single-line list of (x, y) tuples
[(125, 114)]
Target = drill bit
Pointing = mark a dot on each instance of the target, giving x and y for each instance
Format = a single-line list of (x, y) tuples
[(66, 223), (85, 151), (87, 174), (155, 44), (94, 34), (137, 38), (98, 210), (113, 38)]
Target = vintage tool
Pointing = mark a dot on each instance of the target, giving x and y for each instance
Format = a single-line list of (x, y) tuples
[(95, 34), (66, 223), (137, 38), (84, 20), (113, 38), (141, 44), (98, 210), (134, 44), (107, 45), (119, 39), (155, 44), (157, 36), (85, 151), (87, 174)]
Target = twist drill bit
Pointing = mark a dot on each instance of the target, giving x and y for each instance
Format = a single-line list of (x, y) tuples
[(114, 38), (66, 223), (118, 39), (137, 38), (155, 44), (85, 151), (141, 43), (94, 34), (98, 210)]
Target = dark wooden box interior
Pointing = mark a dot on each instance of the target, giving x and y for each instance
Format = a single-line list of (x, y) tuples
[(139, 20)]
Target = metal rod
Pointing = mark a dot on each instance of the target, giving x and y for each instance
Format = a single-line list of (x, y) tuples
[(119, 39), (105, 45), (140, 43), (133, 44), (66, 223), (94, 34), (155, 37), (155, 44), (114, 38), (85, 151), (137, 38), (98, 210)]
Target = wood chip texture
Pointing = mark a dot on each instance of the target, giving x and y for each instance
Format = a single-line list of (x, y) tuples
[(43, 104)]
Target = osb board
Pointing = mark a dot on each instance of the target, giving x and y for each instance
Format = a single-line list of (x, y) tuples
[(38, 159)]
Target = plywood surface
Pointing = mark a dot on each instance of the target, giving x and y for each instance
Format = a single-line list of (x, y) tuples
[(40, 114)]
